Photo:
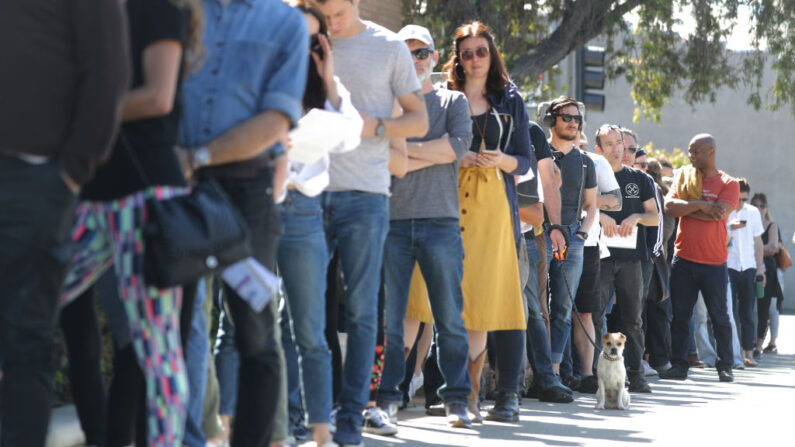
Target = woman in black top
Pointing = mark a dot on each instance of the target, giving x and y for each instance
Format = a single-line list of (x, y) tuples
[(772, 288), (113, 213)]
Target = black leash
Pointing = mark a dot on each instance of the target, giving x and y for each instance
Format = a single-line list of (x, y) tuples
[(597, 350)]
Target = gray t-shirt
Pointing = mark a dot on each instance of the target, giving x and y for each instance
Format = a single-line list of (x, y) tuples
[(432, 192), (576, 167), (376, 66)]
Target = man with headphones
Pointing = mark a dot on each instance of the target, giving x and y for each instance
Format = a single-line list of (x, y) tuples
[(577, 194)]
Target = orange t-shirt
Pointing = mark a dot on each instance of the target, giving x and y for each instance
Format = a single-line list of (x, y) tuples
[(706, 242)]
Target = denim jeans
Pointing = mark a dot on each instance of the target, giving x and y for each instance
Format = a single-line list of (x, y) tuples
[(436, 245), (625, 278), (35, 252), (687, 279), (538, 353), (256, 332), (564, 278), (303, 261), (227, 362), (356, 226), (196, 352), (744, 302)]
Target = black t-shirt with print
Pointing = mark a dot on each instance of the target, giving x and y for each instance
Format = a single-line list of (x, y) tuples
[(572, 167), (636, 188), (151, 139)]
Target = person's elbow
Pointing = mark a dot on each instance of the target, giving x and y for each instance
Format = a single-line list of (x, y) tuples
[(162, 104), (421, 125)]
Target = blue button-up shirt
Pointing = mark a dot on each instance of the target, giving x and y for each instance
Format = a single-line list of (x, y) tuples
[(256, 59)]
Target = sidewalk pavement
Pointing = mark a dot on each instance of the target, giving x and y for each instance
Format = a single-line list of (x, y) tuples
[(754, 410)]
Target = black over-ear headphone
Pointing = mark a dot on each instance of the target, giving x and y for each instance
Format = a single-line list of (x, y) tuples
[(550, 117)]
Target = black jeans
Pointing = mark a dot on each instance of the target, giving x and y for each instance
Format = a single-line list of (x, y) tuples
[(656, 323), (255, 336), (509, 352), (35, 251), (687, 279), (625, 278), (744, 302)]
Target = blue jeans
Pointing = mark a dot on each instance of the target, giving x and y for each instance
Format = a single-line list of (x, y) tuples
[(196, 351), (563, 291), (303, 260), (538, 352), (744, 302), (227, 362), (356, 225), (437, 246), (687, 279)]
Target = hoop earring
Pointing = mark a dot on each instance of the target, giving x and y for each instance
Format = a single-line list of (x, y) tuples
[(458, 72)]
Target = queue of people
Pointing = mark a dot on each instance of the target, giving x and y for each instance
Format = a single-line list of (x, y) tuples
[(443, 230)]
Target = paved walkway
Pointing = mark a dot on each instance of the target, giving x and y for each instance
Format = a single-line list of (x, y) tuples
[(754, 410)]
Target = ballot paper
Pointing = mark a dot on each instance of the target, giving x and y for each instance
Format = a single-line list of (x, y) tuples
[(629, 242), (317, 133), (253, 282)]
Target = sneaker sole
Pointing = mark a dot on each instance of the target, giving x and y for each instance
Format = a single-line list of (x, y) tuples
[(383, 431), (460, 423), (495, 418)]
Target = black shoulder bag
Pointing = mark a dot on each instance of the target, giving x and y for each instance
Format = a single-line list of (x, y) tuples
[(190, 236)]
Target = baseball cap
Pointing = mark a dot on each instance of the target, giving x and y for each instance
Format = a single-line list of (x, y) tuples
[(640, 153), (417, 32)]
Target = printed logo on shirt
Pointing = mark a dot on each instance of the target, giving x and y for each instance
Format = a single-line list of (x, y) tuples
[(632, 190)]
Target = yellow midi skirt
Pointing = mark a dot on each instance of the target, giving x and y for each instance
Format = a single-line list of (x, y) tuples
[(491, 286)]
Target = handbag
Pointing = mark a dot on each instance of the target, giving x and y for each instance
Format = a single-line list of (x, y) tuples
[(783, 259), (660, 283), (191, 236)]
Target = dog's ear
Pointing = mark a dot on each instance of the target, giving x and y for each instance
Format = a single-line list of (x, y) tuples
[(605, 337), (622, 337)]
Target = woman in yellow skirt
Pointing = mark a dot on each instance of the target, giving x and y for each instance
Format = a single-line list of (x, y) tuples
[(489, 216)]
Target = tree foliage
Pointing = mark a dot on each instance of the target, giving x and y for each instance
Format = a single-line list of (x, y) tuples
[(534, 35)]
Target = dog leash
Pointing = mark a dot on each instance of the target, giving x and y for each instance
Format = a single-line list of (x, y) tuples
[(561, 257)]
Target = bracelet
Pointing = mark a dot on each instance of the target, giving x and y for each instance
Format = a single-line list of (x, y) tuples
[(556, 227)]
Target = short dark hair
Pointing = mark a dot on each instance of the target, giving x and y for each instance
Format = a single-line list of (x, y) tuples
[(629, 132), (561, 102), (744, 185), (604, 129)]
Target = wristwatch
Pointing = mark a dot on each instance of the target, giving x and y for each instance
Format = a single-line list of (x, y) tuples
[(380, 129), (583, 235), (201, 157)]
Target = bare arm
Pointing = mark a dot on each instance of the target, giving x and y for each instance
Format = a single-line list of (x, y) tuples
[(249, 138), (546, 170), (412, 123), (415, 164), (161, 62), (532, 215), (589, 206), (438, 151), (772, 241), (759, 255), (610, 201), (679, 208), (650, 217), (398, 160)]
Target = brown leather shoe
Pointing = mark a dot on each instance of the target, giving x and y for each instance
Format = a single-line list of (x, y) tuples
[(695, 362)]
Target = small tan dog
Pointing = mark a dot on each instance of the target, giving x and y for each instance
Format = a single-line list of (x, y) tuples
[(611, 373)]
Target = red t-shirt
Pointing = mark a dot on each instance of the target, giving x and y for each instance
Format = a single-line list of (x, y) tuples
[(706, 242)]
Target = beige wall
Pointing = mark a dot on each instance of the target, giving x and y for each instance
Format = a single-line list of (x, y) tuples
[(757, 145), (387, 13)]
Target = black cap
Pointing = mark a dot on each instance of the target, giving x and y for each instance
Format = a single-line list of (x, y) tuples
[(640, 153)]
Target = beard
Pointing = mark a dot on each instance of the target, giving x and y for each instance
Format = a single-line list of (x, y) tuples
[(568, 137)]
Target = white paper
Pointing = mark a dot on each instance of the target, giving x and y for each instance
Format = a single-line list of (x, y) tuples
[(253, 282), (629, 242), (317, 133)]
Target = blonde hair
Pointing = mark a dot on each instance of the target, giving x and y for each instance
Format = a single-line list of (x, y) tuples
[(194, 50)]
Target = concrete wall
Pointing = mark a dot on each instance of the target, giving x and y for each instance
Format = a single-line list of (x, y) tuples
[(757, 145), (387, 13)]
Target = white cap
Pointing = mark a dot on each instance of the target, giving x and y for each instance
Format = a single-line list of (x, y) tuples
[(417, 32)]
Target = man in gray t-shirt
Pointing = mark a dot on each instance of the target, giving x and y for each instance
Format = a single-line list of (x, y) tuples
[(375, 66), (424, 229)]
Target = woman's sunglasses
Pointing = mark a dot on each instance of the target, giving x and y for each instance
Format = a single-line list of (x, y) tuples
[(481, 53)]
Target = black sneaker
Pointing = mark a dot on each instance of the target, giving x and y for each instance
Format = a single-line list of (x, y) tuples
[(725, 375), (556, 394), (506, 408), (457, 415), (638, 384), (436, 410), (674, 373), (589, 385), (570, 381)]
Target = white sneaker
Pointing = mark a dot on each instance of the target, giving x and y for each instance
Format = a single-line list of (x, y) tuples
[(332, 420), (377, 422), (390, 410), (648, 370), (416, 384)]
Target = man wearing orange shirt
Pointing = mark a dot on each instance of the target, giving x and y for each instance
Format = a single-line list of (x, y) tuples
[(700, 257)]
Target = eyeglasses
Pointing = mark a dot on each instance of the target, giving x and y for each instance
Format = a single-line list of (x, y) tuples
[(422, 53), (567, 118), (762, 205), (480, 52), (743, 199), (643, 165)]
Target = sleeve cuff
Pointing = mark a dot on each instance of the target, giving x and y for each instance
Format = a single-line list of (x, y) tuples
[(288, 105)]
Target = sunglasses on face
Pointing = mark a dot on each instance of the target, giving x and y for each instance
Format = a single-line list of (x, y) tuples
[(643, 165), (567, 118), (480, 52), (761, 205), (743, 199), (422, 53)]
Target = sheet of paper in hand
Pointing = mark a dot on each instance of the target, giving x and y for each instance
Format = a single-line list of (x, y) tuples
[(317, 133), (628, 242), (253, 282)]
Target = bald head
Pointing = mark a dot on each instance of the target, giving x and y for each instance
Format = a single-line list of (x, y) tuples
[(702, 151)]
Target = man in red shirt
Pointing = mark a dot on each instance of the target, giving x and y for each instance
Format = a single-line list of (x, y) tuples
[(700, 258)]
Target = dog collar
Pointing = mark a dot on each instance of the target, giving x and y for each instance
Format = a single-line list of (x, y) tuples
[(612, 359)]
